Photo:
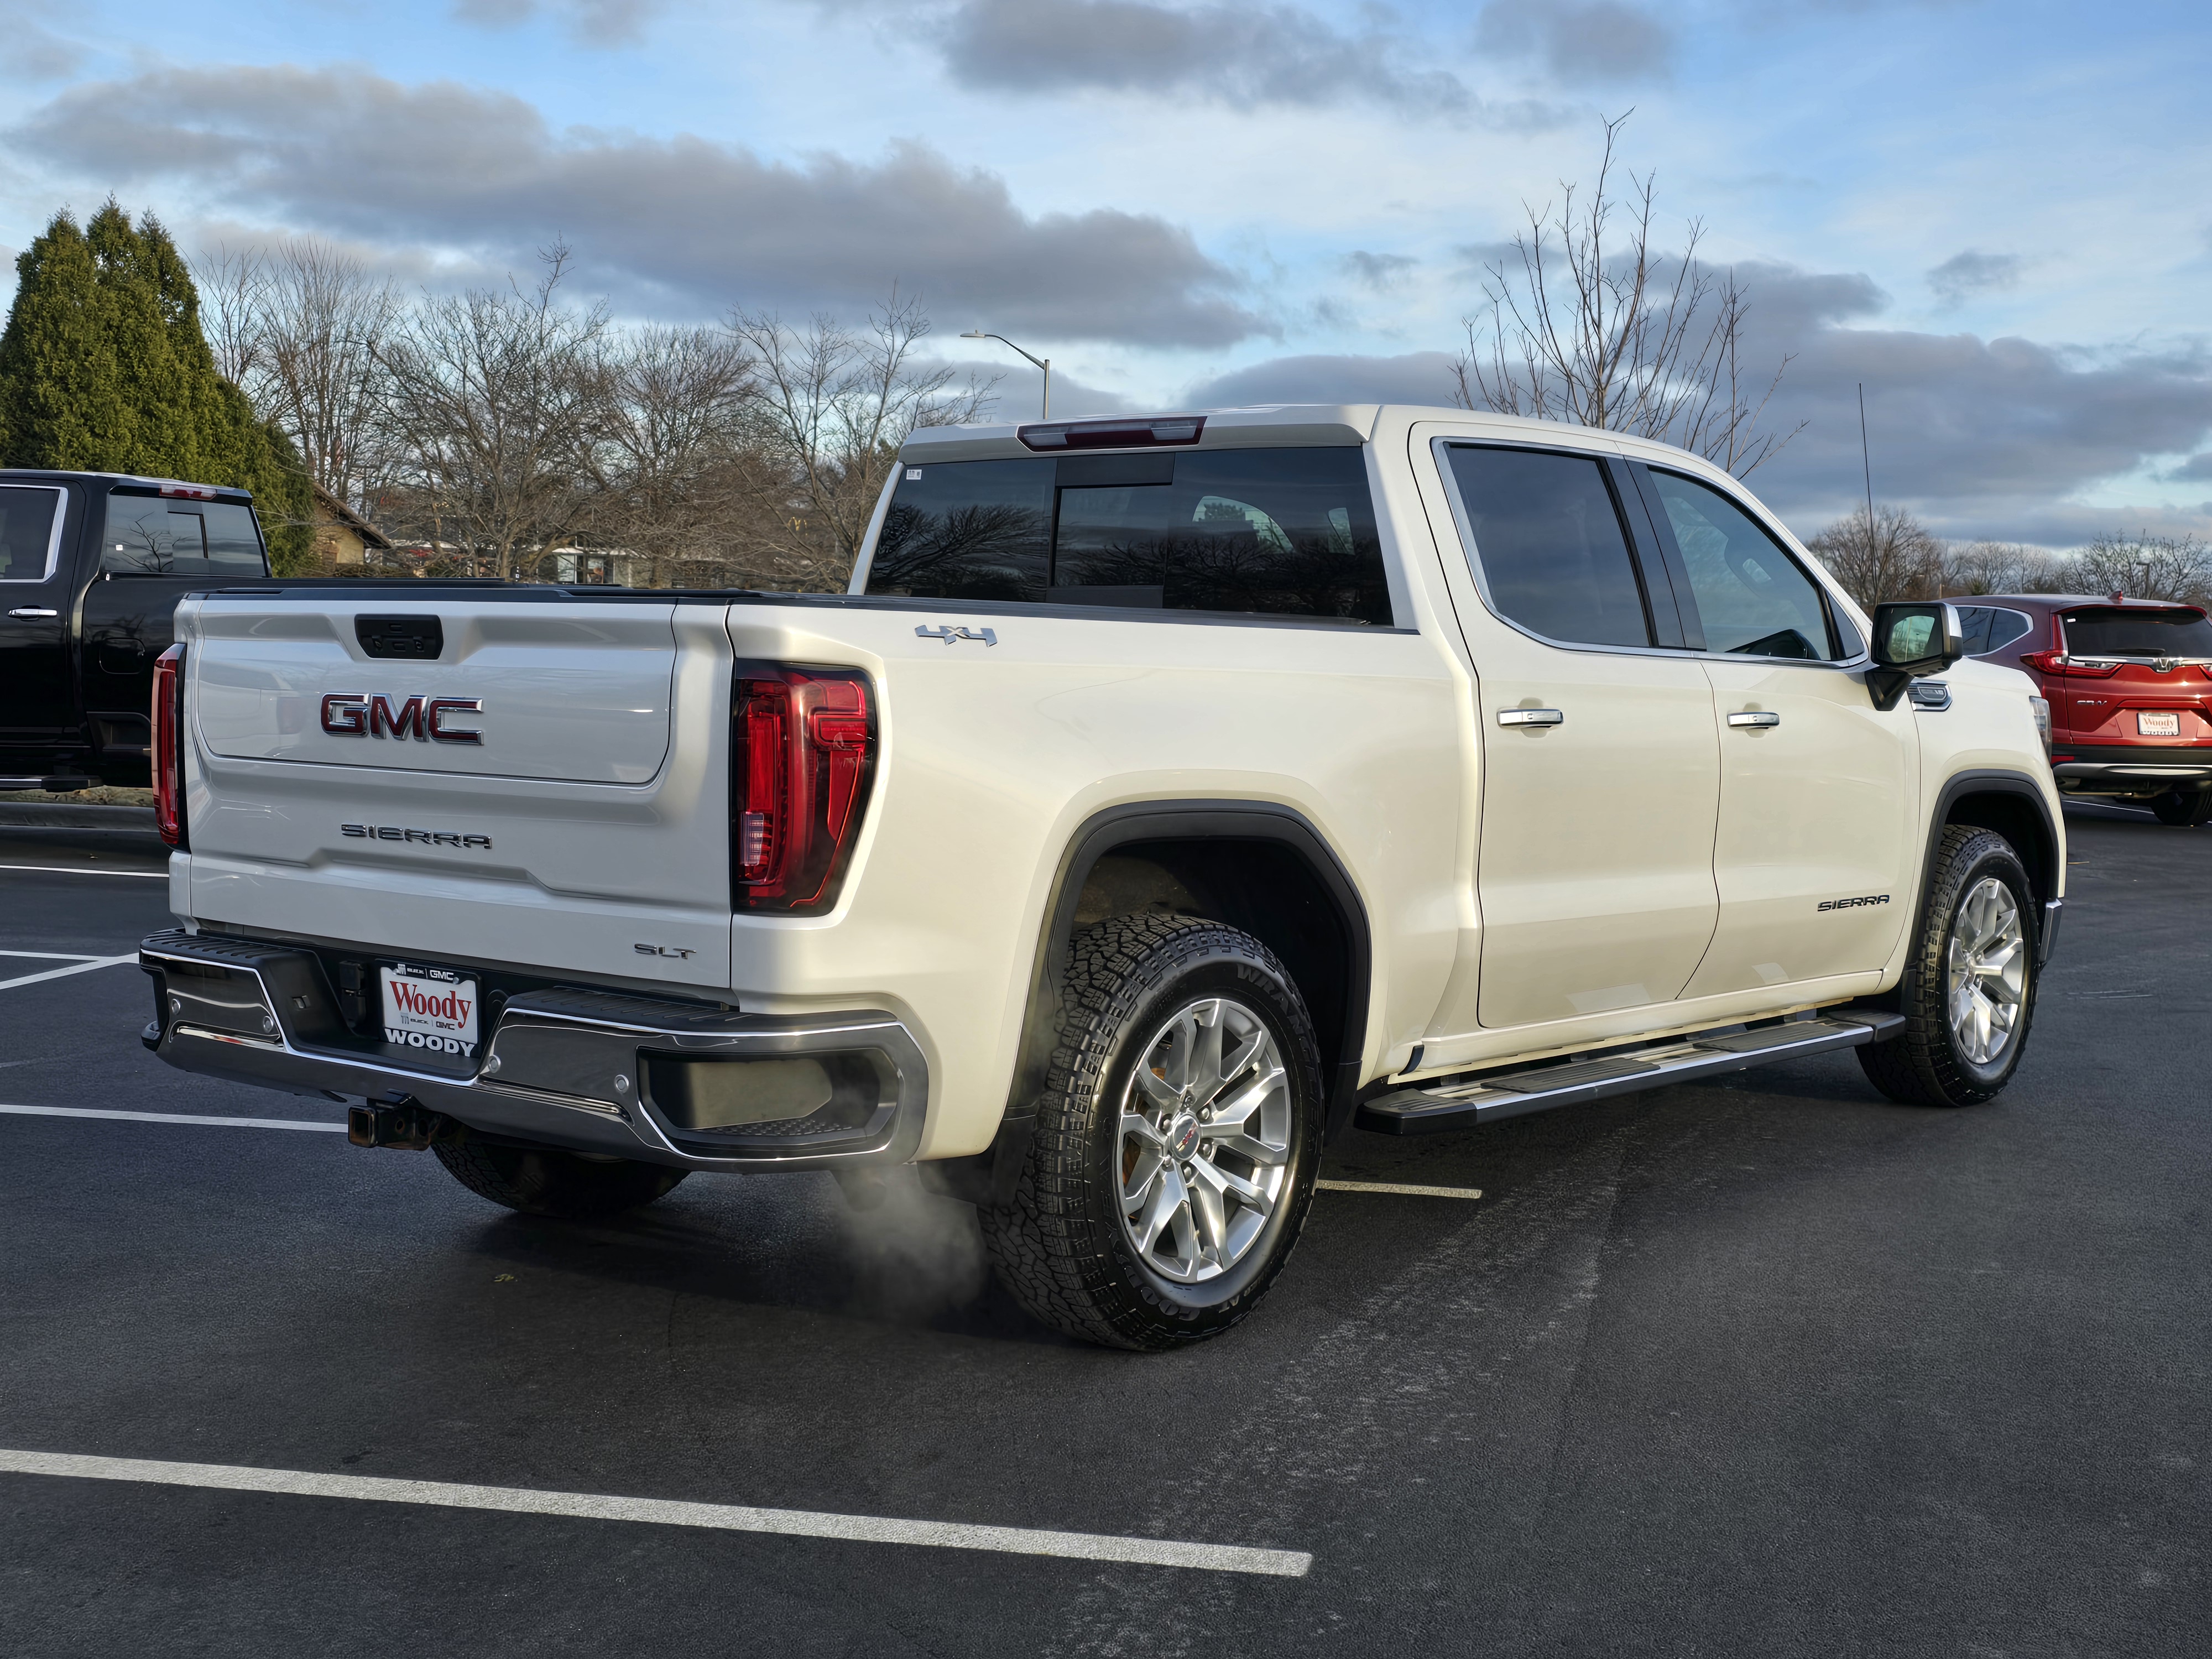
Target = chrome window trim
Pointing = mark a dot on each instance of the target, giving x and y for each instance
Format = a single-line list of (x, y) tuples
[(53, 536), (1465, 528)]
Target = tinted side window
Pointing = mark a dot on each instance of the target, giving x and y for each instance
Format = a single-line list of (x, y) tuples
[(1974, 622), (2006, 626), (967, 529), (1751, 595), (1551, 546), (157, 535), (27, 532), (1276, 531)]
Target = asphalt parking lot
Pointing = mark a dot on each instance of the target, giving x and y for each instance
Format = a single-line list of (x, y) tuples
[(1764, 1367)]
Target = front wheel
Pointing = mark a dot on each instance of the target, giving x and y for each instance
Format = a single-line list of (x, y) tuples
[(1172, 1160), (1968, 992)]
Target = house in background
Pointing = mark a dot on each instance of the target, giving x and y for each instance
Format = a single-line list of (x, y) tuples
[(343, 536)]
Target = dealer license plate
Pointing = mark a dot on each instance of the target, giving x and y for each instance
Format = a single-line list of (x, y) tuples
[(431, 1008), (2158, 726)]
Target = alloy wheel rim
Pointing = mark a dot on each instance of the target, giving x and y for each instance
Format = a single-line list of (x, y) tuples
[(1986, 970), (1203, 1153)]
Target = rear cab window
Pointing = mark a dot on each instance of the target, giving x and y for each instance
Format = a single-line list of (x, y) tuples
[(150, 534), (2110, 631), (1285, 532)]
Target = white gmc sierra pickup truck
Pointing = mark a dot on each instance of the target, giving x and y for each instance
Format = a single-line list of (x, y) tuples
[(1167, 793)]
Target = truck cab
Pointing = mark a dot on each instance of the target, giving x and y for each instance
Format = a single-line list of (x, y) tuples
[(92, 565)]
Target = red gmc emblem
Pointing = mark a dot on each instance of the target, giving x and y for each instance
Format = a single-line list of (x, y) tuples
[(375, 715)]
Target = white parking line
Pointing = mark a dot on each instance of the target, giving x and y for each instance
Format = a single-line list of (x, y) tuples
[(175, 1117), (87, 870), (54, 956), (63, 973), (1401, 1191), (653, 1511)]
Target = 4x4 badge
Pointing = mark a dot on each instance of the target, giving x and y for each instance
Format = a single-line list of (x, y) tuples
[(949, 635)]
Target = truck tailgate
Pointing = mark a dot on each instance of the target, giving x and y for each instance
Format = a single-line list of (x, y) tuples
[(583, 829)]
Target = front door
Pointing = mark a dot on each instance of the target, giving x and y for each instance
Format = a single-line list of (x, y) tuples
[(1820, 792), (1599, 769)]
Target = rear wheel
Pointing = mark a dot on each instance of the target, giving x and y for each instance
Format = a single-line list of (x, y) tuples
[(2181, 810), (542, 1181), (1968, 992), (1172, 1161)]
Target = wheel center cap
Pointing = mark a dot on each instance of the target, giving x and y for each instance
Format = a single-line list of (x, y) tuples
[(1182, 1135)]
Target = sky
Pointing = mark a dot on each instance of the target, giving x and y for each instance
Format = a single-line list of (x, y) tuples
[(1994, 217)]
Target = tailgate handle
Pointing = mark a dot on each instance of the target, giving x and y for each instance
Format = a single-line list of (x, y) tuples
[(421, 639)]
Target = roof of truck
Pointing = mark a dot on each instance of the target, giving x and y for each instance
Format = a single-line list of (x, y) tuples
[(168, 486)]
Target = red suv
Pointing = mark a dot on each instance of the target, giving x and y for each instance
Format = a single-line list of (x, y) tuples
[(2129, 686)]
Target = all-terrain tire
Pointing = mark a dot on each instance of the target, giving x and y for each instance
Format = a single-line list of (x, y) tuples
[(1930, 1064), (542, 1181), (1060, 1246)]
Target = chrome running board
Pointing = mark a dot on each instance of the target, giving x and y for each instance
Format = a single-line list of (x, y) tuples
[(1462, 1102)]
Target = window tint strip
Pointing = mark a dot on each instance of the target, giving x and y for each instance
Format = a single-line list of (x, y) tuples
[(1659, 591), (1670, 552)]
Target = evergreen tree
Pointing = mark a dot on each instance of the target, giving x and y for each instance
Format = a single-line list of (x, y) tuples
[(103, 369)]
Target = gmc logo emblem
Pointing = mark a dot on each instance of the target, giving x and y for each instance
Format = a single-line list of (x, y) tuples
[(373, 715)]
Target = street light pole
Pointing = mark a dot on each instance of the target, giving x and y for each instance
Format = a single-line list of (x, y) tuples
[(1044, 363)]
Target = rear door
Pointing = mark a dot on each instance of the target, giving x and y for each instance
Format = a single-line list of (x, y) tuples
[(1600, 773), (154, 548), (1819, 796), (38, 714)]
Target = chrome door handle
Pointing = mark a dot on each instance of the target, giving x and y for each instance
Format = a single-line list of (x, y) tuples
[(29, 611), (1755, 718), (1531, 717)]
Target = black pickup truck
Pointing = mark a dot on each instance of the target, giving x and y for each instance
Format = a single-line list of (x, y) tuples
[(92, 565)]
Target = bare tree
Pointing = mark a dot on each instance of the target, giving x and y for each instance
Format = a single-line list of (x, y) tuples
[(492, 399), (669, 473), (1590, 324), (831, 408), (2144, 567), (325, 323), (1991, 567), (1891, 557), (233, 289)]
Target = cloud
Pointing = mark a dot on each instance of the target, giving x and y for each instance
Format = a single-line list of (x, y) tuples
[(1963, 276), (1240, 55), (683, 223), (1380, 271), (1417, 377), (29, 50), (2001, 437), (1579, 40), (593, 22), (1016, 394)]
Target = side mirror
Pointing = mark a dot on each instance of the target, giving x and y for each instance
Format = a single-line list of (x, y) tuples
[(1911, 641)]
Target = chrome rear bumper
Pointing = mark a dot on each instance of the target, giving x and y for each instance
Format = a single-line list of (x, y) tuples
[(570, 1067)]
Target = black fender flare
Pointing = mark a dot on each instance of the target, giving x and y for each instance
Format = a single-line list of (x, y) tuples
[(1195, 821)]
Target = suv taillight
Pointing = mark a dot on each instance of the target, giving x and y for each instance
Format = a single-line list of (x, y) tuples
[(168, 713), (2057, 662), (803, 752)]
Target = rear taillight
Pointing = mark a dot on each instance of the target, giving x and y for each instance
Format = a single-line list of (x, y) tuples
[(2057, 662), (804, 749), (169, 746)]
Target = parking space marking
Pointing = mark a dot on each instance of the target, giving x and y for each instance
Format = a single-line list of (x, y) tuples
[(653, 1511), (63, 973), (1401, 1191), (174, 1117), (54, 956), (86, 870)]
